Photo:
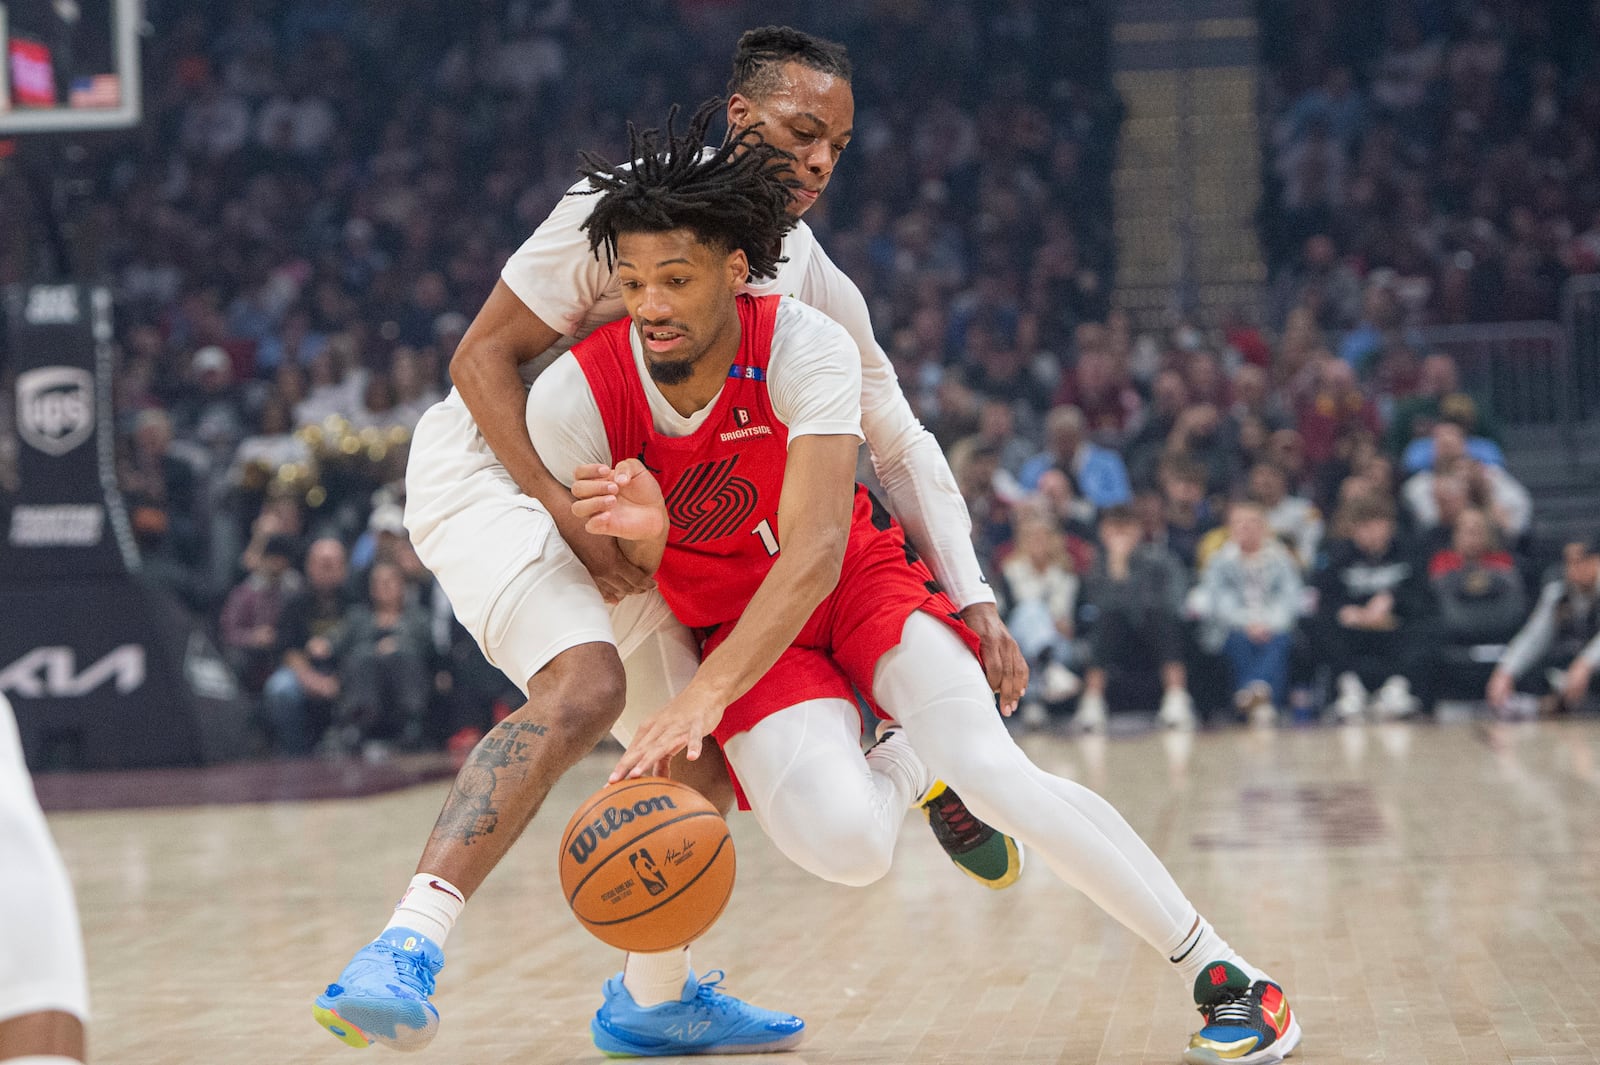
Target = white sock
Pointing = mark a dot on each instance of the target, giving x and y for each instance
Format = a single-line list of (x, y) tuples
[(1202, 947), (431, 905), (43, 1059), (898, 762), (656, 978)]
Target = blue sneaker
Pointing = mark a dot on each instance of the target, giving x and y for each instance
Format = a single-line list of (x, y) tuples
[(383, 993), (702, 1021)]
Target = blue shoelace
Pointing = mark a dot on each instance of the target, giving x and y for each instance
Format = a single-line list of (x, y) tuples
[(410, 969), (708, 994)]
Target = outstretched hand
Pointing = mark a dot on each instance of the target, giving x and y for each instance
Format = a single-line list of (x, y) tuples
[(681, 725), (624, 501)]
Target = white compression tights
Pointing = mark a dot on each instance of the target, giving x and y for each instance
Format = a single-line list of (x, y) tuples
[(41, 948), (813, 792)]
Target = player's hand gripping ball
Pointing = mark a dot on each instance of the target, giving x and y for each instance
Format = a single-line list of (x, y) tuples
[(647, 864)]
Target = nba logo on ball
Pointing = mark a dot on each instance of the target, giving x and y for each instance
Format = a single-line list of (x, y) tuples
[(647, 864)]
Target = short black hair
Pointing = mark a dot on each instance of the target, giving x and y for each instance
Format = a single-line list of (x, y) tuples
[(761, 52), (732, 197)]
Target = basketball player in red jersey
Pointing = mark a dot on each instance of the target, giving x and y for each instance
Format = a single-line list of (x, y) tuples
[(715, 434), (582, 631)]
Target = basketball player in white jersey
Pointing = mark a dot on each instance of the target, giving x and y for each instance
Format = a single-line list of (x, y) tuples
[(44, 994), (716, 432), (563, 613)]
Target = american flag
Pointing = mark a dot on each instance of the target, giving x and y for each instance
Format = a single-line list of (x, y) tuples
[(99, 90)]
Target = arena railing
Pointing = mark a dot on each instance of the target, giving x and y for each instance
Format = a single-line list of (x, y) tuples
[(1521, 369), (1580, 320)]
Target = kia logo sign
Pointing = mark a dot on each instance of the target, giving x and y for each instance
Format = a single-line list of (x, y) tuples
[(55, 408), (52, 673)]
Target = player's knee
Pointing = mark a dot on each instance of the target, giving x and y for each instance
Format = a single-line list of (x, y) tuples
[(849, 851), (586, 689)]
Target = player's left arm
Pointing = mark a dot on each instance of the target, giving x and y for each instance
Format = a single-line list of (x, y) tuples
[(814, 528), (922, 490)]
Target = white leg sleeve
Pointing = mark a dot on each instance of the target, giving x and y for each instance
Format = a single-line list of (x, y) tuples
[(935, 688), (815, 796), (41, 947)]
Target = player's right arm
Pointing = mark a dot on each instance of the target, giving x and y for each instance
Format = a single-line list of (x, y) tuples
[(552, 278)]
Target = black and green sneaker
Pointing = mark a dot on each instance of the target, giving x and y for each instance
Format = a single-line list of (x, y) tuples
[(990, 857)]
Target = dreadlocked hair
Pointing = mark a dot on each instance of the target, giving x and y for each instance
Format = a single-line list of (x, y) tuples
[(735, 197)]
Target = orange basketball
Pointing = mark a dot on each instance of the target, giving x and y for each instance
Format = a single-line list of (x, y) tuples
[(647, 865)]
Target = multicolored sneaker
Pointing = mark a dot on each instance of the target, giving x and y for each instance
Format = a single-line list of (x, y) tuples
[(702, 1021), (382, 995), (990, 857), (1246, 1023)]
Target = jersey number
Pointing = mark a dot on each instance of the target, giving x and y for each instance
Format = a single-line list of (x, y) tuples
[(768, 540)]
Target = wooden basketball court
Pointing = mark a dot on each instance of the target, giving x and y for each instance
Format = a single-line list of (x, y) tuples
[(1428, 895)]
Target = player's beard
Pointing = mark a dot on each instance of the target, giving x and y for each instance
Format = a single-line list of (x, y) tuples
[(671, 372)]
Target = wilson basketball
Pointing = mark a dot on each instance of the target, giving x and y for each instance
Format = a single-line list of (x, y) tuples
[(647, 864)]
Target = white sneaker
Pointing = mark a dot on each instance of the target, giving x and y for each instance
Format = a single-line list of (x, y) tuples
[(894, 755), (1091, 714), (1352, 698), (1255, 701), (1058, 683), (1177, 710), (1394, 700)]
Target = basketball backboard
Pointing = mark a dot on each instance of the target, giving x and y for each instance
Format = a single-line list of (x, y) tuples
[(69, 65)]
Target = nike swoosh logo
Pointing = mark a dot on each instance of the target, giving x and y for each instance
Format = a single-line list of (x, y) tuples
[(1280, 1016), (440, 887)]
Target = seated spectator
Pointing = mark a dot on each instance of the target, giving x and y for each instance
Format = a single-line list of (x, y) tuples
[(298, 698), (163, 492), (1131, 601), (1098, 386), (1295, 521), (1096, 472), (997, 429), (1491, 487), (1169, 399), (988, 491), (1559, 647), (1419, 454), (249, 622), (1204, 437), (384, 652), (1186, 512), (1043, 593), (1334, 408), (1373, 605), (1440, 384), (1476, 585), (1249, 599), (1073, 516)]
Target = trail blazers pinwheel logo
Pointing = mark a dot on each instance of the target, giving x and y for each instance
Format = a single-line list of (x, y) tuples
[(55, 408), (708, 501)]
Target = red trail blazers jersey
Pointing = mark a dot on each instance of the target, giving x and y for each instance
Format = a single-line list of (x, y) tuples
[(722, 482)]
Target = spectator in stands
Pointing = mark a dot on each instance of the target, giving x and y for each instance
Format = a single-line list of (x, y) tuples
[(1491, 487), (1459, 409), (163, 491), (1373, 609), (1249, 599), (1169, 399), (1293, 520), (1415, 416), (1096, 472), (1187, 515), (1559, 647), (997, 431), (1097, 384), (1043, 592), (250, 616), (213, 413), (1335, 408), (1131, 603), (1203, 438), (982, 482), (383, 649), (1476, 585), (298, 698)]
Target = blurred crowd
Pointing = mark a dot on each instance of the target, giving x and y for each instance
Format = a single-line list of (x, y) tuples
[(1430, 161), (1213, 520)]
